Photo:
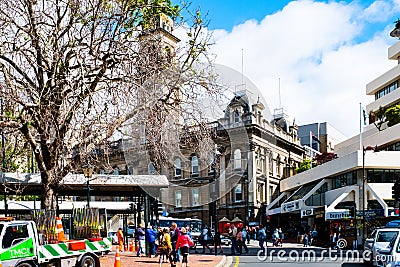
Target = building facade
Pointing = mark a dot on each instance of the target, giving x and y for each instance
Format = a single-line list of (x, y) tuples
[(352, 194)]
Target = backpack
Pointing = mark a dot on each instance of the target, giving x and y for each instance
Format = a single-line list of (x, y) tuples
[(261, 235), (162, 242)]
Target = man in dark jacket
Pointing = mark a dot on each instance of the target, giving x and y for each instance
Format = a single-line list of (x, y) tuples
[(174, 233)]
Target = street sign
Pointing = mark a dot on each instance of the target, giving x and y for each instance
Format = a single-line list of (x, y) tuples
[(305, 213)]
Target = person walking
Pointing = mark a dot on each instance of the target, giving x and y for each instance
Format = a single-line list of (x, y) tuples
[(183, 244), (174, 233), (151, 237), (205, 239), (245, 236), (217, 242), (261, 237), (120, 236), (141, 235), (233, 234), (239, 240), (165, 247)]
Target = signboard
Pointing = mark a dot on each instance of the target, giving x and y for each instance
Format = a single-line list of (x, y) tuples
[(337, 215), (305, 213), (370, 214), (291, 206)]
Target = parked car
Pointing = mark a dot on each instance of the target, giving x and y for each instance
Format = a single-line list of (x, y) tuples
[(378, 240), (225, 240), (114, 238), (390, 256)]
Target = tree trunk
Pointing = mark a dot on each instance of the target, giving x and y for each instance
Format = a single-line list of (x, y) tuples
[(48, 197)]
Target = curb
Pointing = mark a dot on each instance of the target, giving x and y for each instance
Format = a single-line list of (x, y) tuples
[(225, 262)]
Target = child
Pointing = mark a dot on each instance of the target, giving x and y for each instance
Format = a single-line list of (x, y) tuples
[(184, 243)]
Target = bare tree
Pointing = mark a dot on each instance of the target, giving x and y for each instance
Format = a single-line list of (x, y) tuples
[(74, 72)]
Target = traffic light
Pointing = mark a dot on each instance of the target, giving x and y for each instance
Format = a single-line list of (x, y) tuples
[(159, 208), (131, 207), (352, 211), (396, 191)]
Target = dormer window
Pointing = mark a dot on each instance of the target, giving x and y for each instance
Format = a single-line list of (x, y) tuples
[(236, 116)]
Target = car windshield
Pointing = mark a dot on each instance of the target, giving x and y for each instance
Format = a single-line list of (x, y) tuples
[(386, 236)]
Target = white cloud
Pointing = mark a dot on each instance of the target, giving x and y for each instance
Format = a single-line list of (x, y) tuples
[(311, 47)]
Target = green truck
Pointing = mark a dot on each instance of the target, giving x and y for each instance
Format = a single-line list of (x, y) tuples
[(21, 245)]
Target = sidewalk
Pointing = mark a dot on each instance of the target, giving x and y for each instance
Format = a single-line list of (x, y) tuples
[(129, 259)]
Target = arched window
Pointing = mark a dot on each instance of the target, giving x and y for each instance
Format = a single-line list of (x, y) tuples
[(151, 169), (237, 159), (195, 165), (236, 116), (177, 166)]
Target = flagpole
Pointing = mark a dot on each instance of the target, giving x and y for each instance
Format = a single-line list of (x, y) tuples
[(360, 127), (311, 143)]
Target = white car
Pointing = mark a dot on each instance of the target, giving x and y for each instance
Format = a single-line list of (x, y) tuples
[(225, 240), (390, 256), (114, 237), (378, 240)]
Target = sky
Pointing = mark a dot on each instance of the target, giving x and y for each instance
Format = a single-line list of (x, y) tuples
[(312, 58)]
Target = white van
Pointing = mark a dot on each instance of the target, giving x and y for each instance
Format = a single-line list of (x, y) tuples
[(378, 240), (390, 256)]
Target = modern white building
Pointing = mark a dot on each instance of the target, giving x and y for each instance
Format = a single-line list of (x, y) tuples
[(351, 194)]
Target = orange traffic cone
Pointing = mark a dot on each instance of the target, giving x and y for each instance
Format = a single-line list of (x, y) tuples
[(60, 230), (131, 246), (117, 261)]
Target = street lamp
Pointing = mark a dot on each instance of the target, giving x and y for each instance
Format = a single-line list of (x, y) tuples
[(375, 149), (88, 172)]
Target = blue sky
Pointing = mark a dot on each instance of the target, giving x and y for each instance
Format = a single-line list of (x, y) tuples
[(322, 52)]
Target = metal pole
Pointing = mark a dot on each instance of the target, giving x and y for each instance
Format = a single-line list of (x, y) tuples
[(363, 194), (88, 192)]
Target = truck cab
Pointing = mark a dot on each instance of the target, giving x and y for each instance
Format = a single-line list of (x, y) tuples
[(18, 242), (22, 246)]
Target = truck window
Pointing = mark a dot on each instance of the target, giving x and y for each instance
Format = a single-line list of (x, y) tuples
[(15, 234)]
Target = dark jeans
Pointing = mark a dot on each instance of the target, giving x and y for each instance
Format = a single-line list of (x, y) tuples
[(175, 253), (152, 247), (233, 245), (245, 246)]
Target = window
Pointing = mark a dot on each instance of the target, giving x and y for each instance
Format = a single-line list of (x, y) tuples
[(212, 163), (195, 197), (15, 234), (237, 159), (178, 199), (238, 193), (130, 170), (151, 169), (195, 165), (236, 116), (271, 193), (177, 165)]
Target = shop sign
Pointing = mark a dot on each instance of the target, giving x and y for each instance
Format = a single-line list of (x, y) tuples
[(305, 213), (370, 214), (393, 212), (291, 206), (337, 215)]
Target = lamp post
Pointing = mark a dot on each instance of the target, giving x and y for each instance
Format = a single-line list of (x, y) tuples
[(87, 172), (375, 149)]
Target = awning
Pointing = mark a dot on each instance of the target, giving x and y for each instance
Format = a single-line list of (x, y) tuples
[(299, 197)]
